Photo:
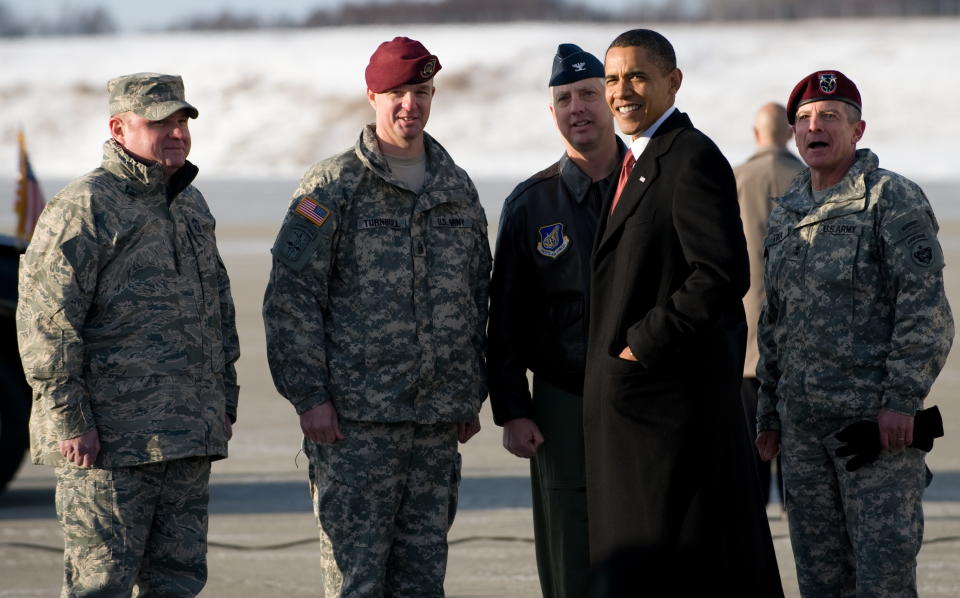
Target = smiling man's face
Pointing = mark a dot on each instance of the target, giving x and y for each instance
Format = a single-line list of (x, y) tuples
[(638, 90), (402, 112)]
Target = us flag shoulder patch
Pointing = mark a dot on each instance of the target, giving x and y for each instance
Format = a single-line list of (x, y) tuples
[(311, 210)]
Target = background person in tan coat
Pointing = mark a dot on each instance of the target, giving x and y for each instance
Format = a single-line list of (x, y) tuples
[(767, 173)]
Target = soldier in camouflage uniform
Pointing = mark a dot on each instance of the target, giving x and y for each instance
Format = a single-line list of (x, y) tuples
[(856, 326), (127, 336), (375, 315)]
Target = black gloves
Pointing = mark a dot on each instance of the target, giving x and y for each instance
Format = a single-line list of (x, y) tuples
[(927, 425), (862, 439)]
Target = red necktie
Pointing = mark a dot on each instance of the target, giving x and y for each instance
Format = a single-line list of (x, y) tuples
[(625, 170)]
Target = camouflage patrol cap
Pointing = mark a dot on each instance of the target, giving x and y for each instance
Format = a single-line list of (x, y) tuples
[(153, 96)]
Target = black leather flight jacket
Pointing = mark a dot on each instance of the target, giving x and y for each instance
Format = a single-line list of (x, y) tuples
[(540, 285)]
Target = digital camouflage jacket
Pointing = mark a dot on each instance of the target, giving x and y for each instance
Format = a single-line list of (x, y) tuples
[(125, 320), (855, 318), (377, 298)]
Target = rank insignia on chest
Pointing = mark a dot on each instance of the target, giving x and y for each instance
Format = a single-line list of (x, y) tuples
[(553, 241), (312, 211)]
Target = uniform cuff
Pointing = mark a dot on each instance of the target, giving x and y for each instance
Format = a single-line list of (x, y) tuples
[(768, 423), (232, 392), (308, 403), (508, 407), (71, 422), (903, 406)]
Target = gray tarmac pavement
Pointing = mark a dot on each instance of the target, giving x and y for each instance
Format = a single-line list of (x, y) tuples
[(263, 538)]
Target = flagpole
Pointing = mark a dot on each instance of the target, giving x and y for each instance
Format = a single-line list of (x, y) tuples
[(20, 206), (29, 202)]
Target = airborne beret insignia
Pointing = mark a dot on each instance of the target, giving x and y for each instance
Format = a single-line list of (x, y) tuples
[(828, 82)]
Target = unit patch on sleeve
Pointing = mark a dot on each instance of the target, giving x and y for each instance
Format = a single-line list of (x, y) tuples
[(293, 240), (313, 211), (553, 241), (915, 235), (925, 252)]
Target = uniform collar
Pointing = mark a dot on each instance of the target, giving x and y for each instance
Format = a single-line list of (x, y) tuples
[(144, 179), (640, 143), (368, 150), (852, 186), (576, 180)]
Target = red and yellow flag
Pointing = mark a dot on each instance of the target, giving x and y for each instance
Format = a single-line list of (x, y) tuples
[(29, 202)]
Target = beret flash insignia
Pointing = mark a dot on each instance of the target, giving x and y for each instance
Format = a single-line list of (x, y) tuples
[(428, 68), (828, 82)]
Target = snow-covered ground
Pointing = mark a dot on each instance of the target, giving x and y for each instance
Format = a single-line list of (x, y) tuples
[(272, 102)]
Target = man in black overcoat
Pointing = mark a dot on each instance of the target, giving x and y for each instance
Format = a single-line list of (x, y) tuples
[(673, 499)]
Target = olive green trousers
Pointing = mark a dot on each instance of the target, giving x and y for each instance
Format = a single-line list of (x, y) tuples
[(559, 494)]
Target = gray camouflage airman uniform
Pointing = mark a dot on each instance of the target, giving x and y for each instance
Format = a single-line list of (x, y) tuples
[(126, 324), (377, 301), (855, 320)]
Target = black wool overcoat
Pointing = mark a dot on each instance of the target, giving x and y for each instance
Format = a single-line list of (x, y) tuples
[(672, 493)]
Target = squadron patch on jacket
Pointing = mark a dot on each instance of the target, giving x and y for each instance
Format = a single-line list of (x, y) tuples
[(313, 211), (553, 241)]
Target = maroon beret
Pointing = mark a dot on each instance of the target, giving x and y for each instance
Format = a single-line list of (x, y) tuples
[(400, 61), (822, 85)]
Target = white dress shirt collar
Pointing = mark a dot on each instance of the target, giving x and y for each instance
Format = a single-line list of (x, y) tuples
[(640, 143)]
